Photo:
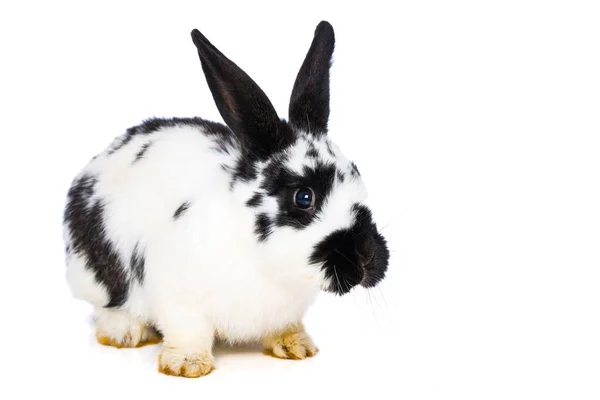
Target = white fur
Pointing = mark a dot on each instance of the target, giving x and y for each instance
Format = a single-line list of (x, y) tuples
[(82, 281), (206, 272)]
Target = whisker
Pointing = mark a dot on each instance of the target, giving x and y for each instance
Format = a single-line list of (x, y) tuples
[(373, 309), (348, 285), (367, 297), (353, 297), (376, 300), (337, 277), (389, 316), (385, 226), (383, 297)]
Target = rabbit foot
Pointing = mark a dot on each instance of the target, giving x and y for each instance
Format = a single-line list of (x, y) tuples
[(292, 343), (148, 337), (119, 329), (188, 365)]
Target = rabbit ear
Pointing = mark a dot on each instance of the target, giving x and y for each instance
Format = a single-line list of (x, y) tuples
[(245, 108), (309, 103)]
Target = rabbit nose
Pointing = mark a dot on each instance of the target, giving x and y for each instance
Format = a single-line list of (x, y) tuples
[(366, 259), (368, 252)]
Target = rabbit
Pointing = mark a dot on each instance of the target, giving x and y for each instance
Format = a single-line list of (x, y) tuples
[(184, 232)]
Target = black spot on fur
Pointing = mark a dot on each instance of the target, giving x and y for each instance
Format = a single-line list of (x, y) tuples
[(181, 209), (225, 168), (255, 200), (354, 169), (222, 146), (244, 171), (341, 176), (262, 227), (142, 151), (222, 134), (312, 152), (358, 255), (275, 174), (329, 149), (85, 223), (137, 263)]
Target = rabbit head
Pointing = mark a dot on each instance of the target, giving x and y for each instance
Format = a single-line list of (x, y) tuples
[(307, 198)]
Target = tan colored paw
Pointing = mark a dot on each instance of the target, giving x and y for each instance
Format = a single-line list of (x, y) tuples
[(133, 338), (171, 362), (293, 343)]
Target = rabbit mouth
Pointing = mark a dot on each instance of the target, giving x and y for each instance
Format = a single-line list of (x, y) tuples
[(345, 276)]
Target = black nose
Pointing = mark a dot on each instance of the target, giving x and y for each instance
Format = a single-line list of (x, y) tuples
[(366, 254)]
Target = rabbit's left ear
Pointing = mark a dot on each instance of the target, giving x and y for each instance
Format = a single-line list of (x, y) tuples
[(309, 102), (245, 108)]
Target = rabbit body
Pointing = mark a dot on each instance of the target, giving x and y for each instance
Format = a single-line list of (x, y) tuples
[(174, 207)]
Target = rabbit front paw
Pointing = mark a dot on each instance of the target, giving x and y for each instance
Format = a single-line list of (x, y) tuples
[(175, 362), (292, 343)]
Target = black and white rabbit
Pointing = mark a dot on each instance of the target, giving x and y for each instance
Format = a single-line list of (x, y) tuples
[(201, 231)]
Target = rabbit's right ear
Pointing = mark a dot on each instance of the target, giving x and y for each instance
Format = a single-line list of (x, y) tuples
[(309, 103), (245, 108)]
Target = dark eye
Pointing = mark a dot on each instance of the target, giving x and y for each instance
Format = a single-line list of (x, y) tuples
[(304, 198)]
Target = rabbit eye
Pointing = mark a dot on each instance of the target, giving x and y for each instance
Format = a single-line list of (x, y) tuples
[(304, 198)]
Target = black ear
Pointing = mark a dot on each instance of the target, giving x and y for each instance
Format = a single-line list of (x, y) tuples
[(245, 108), (309, 103)]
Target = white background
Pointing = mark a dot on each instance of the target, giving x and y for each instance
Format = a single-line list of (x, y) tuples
[(475, 125)]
